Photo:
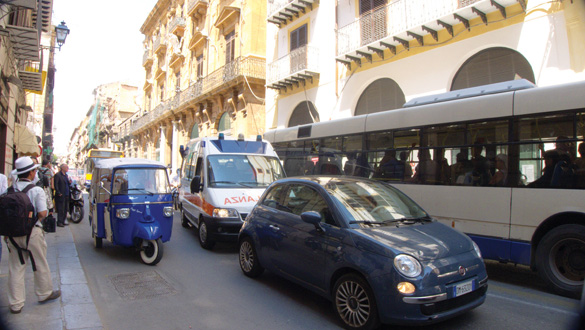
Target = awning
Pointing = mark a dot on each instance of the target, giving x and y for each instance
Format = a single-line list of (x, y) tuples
[(25, 141)]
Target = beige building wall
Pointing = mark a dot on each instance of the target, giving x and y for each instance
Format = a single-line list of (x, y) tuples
[(204, 67)]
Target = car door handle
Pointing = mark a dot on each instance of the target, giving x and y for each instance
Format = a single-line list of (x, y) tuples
[(274, 227)]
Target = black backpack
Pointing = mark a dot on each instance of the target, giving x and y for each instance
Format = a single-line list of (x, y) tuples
[(17, 218), (44, 180), (16, 213)]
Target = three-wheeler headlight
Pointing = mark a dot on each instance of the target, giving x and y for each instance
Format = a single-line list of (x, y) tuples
[(123, 213), (168, 211)]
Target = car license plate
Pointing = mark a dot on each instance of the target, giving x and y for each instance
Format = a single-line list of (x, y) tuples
[(463, 288)]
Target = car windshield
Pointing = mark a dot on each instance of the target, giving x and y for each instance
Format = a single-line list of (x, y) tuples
[(373, 202), (140, 181), (242, 171)]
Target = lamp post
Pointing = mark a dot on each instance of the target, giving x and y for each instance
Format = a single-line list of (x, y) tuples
[(61, 32)]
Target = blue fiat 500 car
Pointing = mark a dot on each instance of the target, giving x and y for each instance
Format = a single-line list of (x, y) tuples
[(366, 246)]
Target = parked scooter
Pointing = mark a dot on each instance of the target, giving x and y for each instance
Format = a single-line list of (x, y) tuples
[(76, 202)]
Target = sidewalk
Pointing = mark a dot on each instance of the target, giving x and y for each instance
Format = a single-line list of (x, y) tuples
[(75, 308)]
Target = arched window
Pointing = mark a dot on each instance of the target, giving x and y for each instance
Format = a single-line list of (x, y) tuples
[(304, 113), (381, 95), (490, 66), (195, 131), (225, 123)]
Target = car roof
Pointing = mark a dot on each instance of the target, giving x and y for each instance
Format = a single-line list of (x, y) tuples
[(321, 179)]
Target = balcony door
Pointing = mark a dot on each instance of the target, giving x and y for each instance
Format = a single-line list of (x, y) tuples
[(373, 18), (298, 51)]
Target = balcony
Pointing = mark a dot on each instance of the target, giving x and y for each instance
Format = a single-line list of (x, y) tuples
[(160, 45), (177, 26), (30, 75), (147, 59), (197, 8), (294, 68), (402, 21), (219, 80), (282, 12)]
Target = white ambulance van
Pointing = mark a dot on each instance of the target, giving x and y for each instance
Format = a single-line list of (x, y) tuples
[(222, 178)]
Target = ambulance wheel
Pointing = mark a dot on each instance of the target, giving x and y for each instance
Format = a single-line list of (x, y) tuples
[(184, 222), (97, 241), (203, 234), (151, 251)]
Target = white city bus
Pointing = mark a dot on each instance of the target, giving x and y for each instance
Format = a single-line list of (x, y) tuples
[(499, 162)]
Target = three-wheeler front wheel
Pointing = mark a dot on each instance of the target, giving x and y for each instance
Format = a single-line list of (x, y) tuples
[(151, 251)]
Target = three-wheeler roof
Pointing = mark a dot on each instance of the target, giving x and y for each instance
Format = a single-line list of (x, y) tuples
[(111, 163)]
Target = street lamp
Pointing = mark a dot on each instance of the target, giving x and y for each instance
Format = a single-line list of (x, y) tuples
[(62, 31)]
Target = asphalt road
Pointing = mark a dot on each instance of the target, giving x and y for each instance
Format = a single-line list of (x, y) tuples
[(192, 288)]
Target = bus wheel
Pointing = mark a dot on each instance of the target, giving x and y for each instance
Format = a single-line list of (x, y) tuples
[(560, 258)]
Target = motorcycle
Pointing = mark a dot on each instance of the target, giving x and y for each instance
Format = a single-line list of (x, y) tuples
[(76, 203)]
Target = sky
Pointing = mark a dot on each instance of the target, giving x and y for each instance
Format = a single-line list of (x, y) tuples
[(104, 46)]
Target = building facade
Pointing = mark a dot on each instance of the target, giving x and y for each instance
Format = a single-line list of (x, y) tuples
[(25, 28), (204, 67), (338, 59)]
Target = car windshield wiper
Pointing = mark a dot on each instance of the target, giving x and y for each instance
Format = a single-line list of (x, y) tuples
[(249, 184), (426, 218), (367, 222)]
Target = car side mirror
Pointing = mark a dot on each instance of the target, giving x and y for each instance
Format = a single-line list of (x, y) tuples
[(313, 218), (196, 184)]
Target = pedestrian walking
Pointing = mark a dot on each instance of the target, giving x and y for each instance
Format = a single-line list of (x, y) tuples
[(36, 245), (61, 182)]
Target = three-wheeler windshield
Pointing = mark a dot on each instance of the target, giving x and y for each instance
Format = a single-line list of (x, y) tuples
[(140, 181)]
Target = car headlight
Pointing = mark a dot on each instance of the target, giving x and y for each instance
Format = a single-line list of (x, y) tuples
[(476, 248), (168, 211), (407, 265), (225, 213), (123, 213)]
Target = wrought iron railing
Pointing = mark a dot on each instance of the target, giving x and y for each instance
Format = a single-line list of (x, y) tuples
[(300, 59), (249, 67), (396, 17)]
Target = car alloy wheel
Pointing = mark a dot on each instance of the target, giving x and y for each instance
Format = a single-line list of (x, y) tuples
[(354, 303), (249, 259)]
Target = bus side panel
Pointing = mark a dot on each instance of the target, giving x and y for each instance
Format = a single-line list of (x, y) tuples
[(489, 106), (545, 99), (482, 211), (530, 207)]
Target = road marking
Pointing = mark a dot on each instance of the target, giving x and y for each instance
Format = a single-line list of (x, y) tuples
[(519, 301)]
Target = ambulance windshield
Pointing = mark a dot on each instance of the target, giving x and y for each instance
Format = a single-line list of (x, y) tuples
[(243, 171)]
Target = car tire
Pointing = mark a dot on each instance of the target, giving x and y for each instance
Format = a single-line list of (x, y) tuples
[(203, 234), (354, 303), (151, 251), (249, 262), (560, 259)]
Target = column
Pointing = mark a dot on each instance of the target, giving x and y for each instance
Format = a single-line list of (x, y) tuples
[(175, 147), (163, 145)]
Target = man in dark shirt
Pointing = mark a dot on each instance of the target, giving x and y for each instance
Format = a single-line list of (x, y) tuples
[(61, 182)]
